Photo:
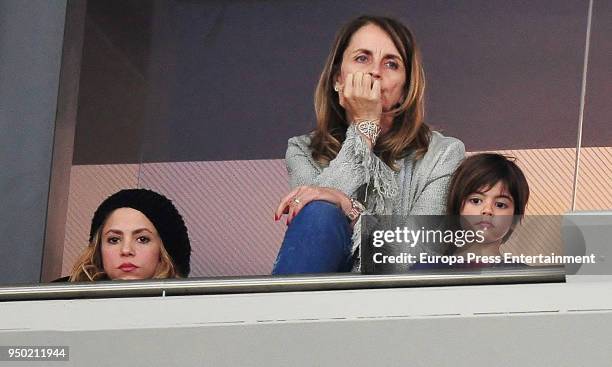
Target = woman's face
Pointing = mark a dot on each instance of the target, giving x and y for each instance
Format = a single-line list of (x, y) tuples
[(371, 50), (490, 211), (130, 245)]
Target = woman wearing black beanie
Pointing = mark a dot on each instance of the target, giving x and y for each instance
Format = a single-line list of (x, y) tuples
[(135, 234)]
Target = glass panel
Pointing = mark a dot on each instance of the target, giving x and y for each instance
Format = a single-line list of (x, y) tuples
[(111, 115), (196, 100), (594, 189), (228, 90)]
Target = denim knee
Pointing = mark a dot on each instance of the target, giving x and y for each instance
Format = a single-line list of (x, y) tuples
[(323, 212), (324, 221), (318, 240)]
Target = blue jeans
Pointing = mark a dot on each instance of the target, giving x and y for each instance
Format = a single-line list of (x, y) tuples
[(318, 240)]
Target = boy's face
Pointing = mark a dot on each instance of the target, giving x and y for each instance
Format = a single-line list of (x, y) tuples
[(490, 211)]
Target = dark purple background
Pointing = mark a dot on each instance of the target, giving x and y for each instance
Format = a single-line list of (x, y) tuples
[(169, 81)]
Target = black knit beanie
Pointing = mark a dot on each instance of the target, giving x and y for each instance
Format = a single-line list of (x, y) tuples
[(161, 212)]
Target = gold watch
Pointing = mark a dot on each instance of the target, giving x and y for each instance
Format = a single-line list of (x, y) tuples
[(357, 209)]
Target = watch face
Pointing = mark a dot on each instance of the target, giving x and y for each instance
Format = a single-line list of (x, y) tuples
[(357, 205), (357, 209)]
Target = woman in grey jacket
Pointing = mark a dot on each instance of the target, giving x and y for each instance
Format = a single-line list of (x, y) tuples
[(370, 153)]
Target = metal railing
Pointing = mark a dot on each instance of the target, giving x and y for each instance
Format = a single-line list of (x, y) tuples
[(265, 284)]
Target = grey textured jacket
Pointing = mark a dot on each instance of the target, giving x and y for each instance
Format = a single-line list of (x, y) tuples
[(419, 188)]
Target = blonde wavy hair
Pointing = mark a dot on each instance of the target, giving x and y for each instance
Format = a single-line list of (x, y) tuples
[(89, 266), (408, 132)]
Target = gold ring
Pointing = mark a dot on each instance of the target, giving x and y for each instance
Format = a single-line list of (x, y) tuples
[(296, 200)]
